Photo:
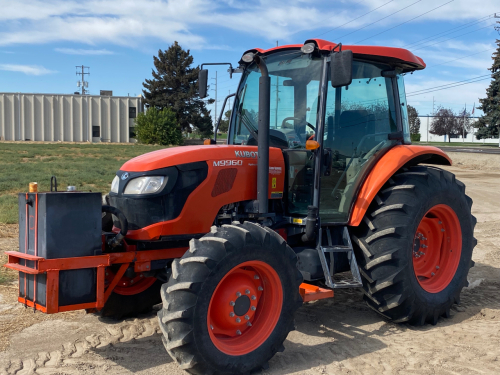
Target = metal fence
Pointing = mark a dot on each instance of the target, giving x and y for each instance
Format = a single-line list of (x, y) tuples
[(69, 118)]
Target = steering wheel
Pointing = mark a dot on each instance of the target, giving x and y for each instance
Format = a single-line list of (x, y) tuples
[(298, 119)]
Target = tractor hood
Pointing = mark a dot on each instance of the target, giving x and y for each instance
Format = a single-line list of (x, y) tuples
[(218, 156)]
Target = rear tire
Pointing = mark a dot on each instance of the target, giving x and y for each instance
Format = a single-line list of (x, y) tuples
[(236, 272), (408, 277)]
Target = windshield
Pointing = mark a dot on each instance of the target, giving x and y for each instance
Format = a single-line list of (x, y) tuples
[(295, 81)]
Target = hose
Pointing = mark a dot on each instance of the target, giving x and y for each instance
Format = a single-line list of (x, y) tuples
[(116, 240)]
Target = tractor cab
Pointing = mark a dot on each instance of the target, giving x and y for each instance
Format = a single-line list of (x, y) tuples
[(349, 101)]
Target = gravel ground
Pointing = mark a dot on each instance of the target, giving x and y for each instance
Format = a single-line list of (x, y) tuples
[(337, 336)]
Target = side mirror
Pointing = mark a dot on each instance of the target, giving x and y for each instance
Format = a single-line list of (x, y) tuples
[(341, 68), (202, 83)]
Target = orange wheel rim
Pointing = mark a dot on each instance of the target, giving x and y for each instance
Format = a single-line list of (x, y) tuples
[(245, 308), (437, 247)]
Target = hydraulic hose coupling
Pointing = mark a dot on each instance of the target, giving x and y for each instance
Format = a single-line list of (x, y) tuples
[(116, 240), (311, 219)]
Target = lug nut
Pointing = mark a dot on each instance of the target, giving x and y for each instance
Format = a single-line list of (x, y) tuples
[(253, 308), (256, 277), (432, 273), (254, 298), (247, 291), (442, 230), (423, 246), (249, 324), (238, 294), (440, 222), (231, 303), (238, 332), (437, 267), (238, 320), (231, 314), (211, 326), (247, 317), (260, 289)]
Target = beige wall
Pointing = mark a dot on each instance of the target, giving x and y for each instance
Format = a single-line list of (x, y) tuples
[(51, 117)]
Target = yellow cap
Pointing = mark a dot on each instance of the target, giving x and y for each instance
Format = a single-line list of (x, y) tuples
[(33, 187)]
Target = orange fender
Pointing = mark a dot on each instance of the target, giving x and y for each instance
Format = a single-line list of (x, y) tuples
[(393, 160)]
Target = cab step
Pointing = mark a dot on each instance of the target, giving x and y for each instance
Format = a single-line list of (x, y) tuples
[(346, 246)]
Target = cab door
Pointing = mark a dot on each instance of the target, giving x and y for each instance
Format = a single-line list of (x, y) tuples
[(359, 119)]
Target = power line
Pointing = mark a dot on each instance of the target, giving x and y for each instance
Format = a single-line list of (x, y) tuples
[(449, 31), (404, 22), (452, 85), (383, 18), (354, 19), (445, 40), (460, 58), (326, 19)]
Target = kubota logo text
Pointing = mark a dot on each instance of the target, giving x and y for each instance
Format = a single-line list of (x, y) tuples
[(227, 163), (246, 154)]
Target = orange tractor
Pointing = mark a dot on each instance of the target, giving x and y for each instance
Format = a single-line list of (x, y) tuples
[(318, 188)]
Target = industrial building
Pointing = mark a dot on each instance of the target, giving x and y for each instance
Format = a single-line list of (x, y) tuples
[(68, 118), (427, 136)]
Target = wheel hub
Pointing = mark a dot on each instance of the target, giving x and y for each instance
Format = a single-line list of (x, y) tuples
[(242, 305)]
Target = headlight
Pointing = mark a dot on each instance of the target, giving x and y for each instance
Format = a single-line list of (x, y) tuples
[(145, 185), (114, 184)]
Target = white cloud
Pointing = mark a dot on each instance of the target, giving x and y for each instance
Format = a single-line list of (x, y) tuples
[(132, 23), (34, 70), (80, 51)]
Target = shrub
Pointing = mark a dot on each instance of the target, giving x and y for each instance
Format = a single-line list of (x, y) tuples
[(158, 127), (415, 137)]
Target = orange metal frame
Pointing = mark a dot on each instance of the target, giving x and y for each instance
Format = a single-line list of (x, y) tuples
[(51, 267)]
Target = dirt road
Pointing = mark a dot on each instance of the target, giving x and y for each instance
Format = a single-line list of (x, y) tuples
[(339, 336)]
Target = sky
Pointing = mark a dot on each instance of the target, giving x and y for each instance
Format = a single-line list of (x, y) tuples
[(41, 41)]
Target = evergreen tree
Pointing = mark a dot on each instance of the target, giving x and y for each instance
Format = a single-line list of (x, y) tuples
[(175, 86), (489, 123)]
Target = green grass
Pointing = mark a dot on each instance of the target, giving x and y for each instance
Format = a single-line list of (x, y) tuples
[(6, 275), (86, 166), (457, 144)]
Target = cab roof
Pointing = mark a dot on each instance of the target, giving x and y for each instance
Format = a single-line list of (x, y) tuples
[(397, 56)]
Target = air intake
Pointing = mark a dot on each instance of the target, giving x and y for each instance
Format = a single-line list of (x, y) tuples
[(225, 181)]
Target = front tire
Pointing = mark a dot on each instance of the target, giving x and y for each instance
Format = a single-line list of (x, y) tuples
[(231, 300), (415, 246)]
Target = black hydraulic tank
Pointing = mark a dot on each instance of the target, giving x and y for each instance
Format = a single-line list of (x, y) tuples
[(60, 225)]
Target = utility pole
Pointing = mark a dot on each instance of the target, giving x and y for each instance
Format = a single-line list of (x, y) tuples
[(83, 84), (463, 125), (215, 114)]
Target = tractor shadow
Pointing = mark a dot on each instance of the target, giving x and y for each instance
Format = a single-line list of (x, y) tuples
[(343, 328), (327, 331)]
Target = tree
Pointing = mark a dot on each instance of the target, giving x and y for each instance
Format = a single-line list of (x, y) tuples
[(224, 122), (158, 127), (489, 124), (413, 120), (445, 123), (174, 85)]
